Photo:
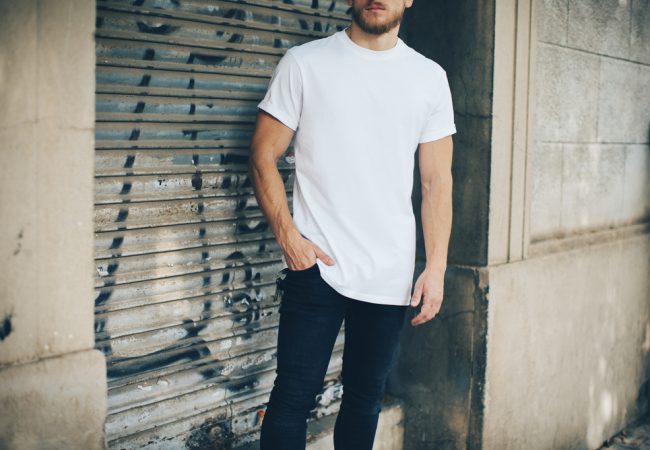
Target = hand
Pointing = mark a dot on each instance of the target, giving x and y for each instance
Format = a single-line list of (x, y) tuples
[(301, 253), (430, 287)]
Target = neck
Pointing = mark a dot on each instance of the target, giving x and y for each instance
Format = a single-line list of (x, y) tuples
[(371, 41)]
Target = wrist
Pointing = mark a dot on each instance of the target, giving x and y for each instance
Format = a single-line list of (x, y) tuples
[(435, 268), (286, 235)]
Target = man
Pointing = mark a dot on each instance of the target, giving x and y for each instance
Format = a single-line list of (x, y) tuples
[(359, 102)]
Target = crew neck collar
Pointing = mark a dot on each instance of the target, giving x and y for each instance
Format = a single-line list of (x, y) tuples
[(368, 53)]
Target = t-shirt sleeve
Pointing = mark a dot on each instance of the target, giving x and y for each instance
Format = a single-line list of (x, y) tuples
[(440, 122), (283, 98)]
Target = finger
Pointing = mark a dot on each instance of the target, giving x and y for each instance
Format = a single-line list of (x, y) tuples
[(417, 295), (424, 316), (427, 312), (419, 319), (327, 259)]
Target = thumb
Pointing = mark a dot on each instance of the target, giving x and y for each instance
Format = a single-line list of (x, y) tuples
[(417, 295), (323, 256)]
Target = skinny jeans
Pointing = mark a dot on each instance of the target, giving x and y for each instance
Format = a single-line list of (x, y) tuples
[(311, 314)]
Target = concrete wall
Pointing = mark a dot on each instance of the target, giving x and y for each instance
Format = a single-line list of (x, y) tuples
[(569, 343), (53, 381), (440, 371), (460, 37), (569, 311), (590, 159)]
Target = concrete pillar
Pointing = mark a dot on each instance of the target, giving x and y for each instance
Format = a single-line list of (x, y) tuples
[(440, 371), (53, 380)]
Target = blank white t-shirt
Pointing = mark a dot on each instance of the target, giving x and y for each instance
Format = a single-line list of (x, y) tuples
[(359, 115)]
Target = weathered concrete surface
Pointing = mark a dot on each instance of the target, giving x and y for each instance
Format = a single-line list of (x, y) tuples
[(440, 370), (601, 26), (460, 37), (640, 42), (53, 380), (623, 102), (46, 191), (553, 21), (439, 373), (566, 95), (592, 186), (635, 436), (580, 317), (568, 346), (545, 216), (636, 198), (590, 163), (586, 187), (55, 403)]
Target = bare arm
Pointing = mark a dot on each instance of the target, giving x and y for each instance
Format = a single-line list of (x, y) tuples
[(436, 209), (269, 141)]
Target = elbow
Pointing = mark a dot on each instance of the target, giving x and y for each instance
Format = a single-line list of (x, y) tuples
[(255, 158), (253, 162), (260, 162)]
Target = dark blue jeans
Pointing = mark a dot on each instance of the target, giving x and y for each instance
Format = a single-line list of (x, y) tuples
[(311, 313)]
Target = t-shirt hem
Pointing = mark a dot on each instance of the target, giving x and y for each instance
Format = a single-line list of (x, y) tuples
[(371, 298), (437, 134), (278, 114)]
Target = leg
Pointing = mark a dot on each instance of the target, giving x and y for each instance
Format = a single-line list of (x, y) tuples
[(372, 333), (310, 320)]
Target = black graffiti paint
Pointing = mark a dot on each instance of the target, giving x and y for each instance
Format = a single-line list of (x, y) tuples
[(6, 327)]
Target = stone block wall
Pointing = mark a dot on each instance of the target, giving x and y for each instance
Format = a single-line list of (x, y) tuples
[(591, 160)]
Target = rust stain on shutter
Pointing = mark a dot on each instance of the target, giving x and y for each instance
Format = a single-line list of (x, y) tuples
[(186, 262)]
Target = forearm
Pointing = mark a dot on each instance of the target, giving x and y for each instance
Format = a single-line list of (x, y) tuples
[(436, 210), (271, 197)]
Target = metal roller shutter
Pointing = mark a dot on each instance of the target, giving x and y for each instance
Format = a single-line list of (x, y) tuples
[(186, 262)]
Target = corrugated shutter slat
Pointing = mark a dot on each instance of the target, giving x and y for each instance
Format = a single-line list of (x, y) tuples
[(186, 262)]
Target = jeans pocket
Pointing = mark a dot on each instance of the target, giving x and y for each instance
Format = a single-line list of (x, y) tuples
[(312, 267)]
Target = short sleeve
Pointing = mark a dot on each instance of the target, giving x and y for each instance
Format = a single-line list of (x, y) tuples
[(283, 98), (440, 122)]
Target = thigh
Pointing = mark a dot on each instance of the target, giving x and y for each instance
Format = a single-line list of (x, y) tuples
[(310, 319), (372, 335)]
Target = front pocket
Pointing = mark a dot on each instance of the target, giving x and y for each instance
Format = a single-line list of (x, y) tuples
[(303, 270)]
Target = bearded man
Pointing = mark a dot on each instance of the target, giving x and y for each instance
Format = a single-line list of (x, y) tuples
[(359, 102)]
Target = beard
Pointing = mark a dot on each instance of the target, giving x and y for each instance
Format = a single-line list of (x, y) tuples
[(376, 25)]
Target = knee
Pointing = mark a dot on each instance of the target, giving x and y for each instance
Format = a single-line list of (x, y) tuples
[(292, 400), (363, 399)]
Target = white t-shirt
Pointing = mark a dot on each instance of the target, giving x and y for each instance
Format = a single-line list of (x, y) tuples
[(359, 115)]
